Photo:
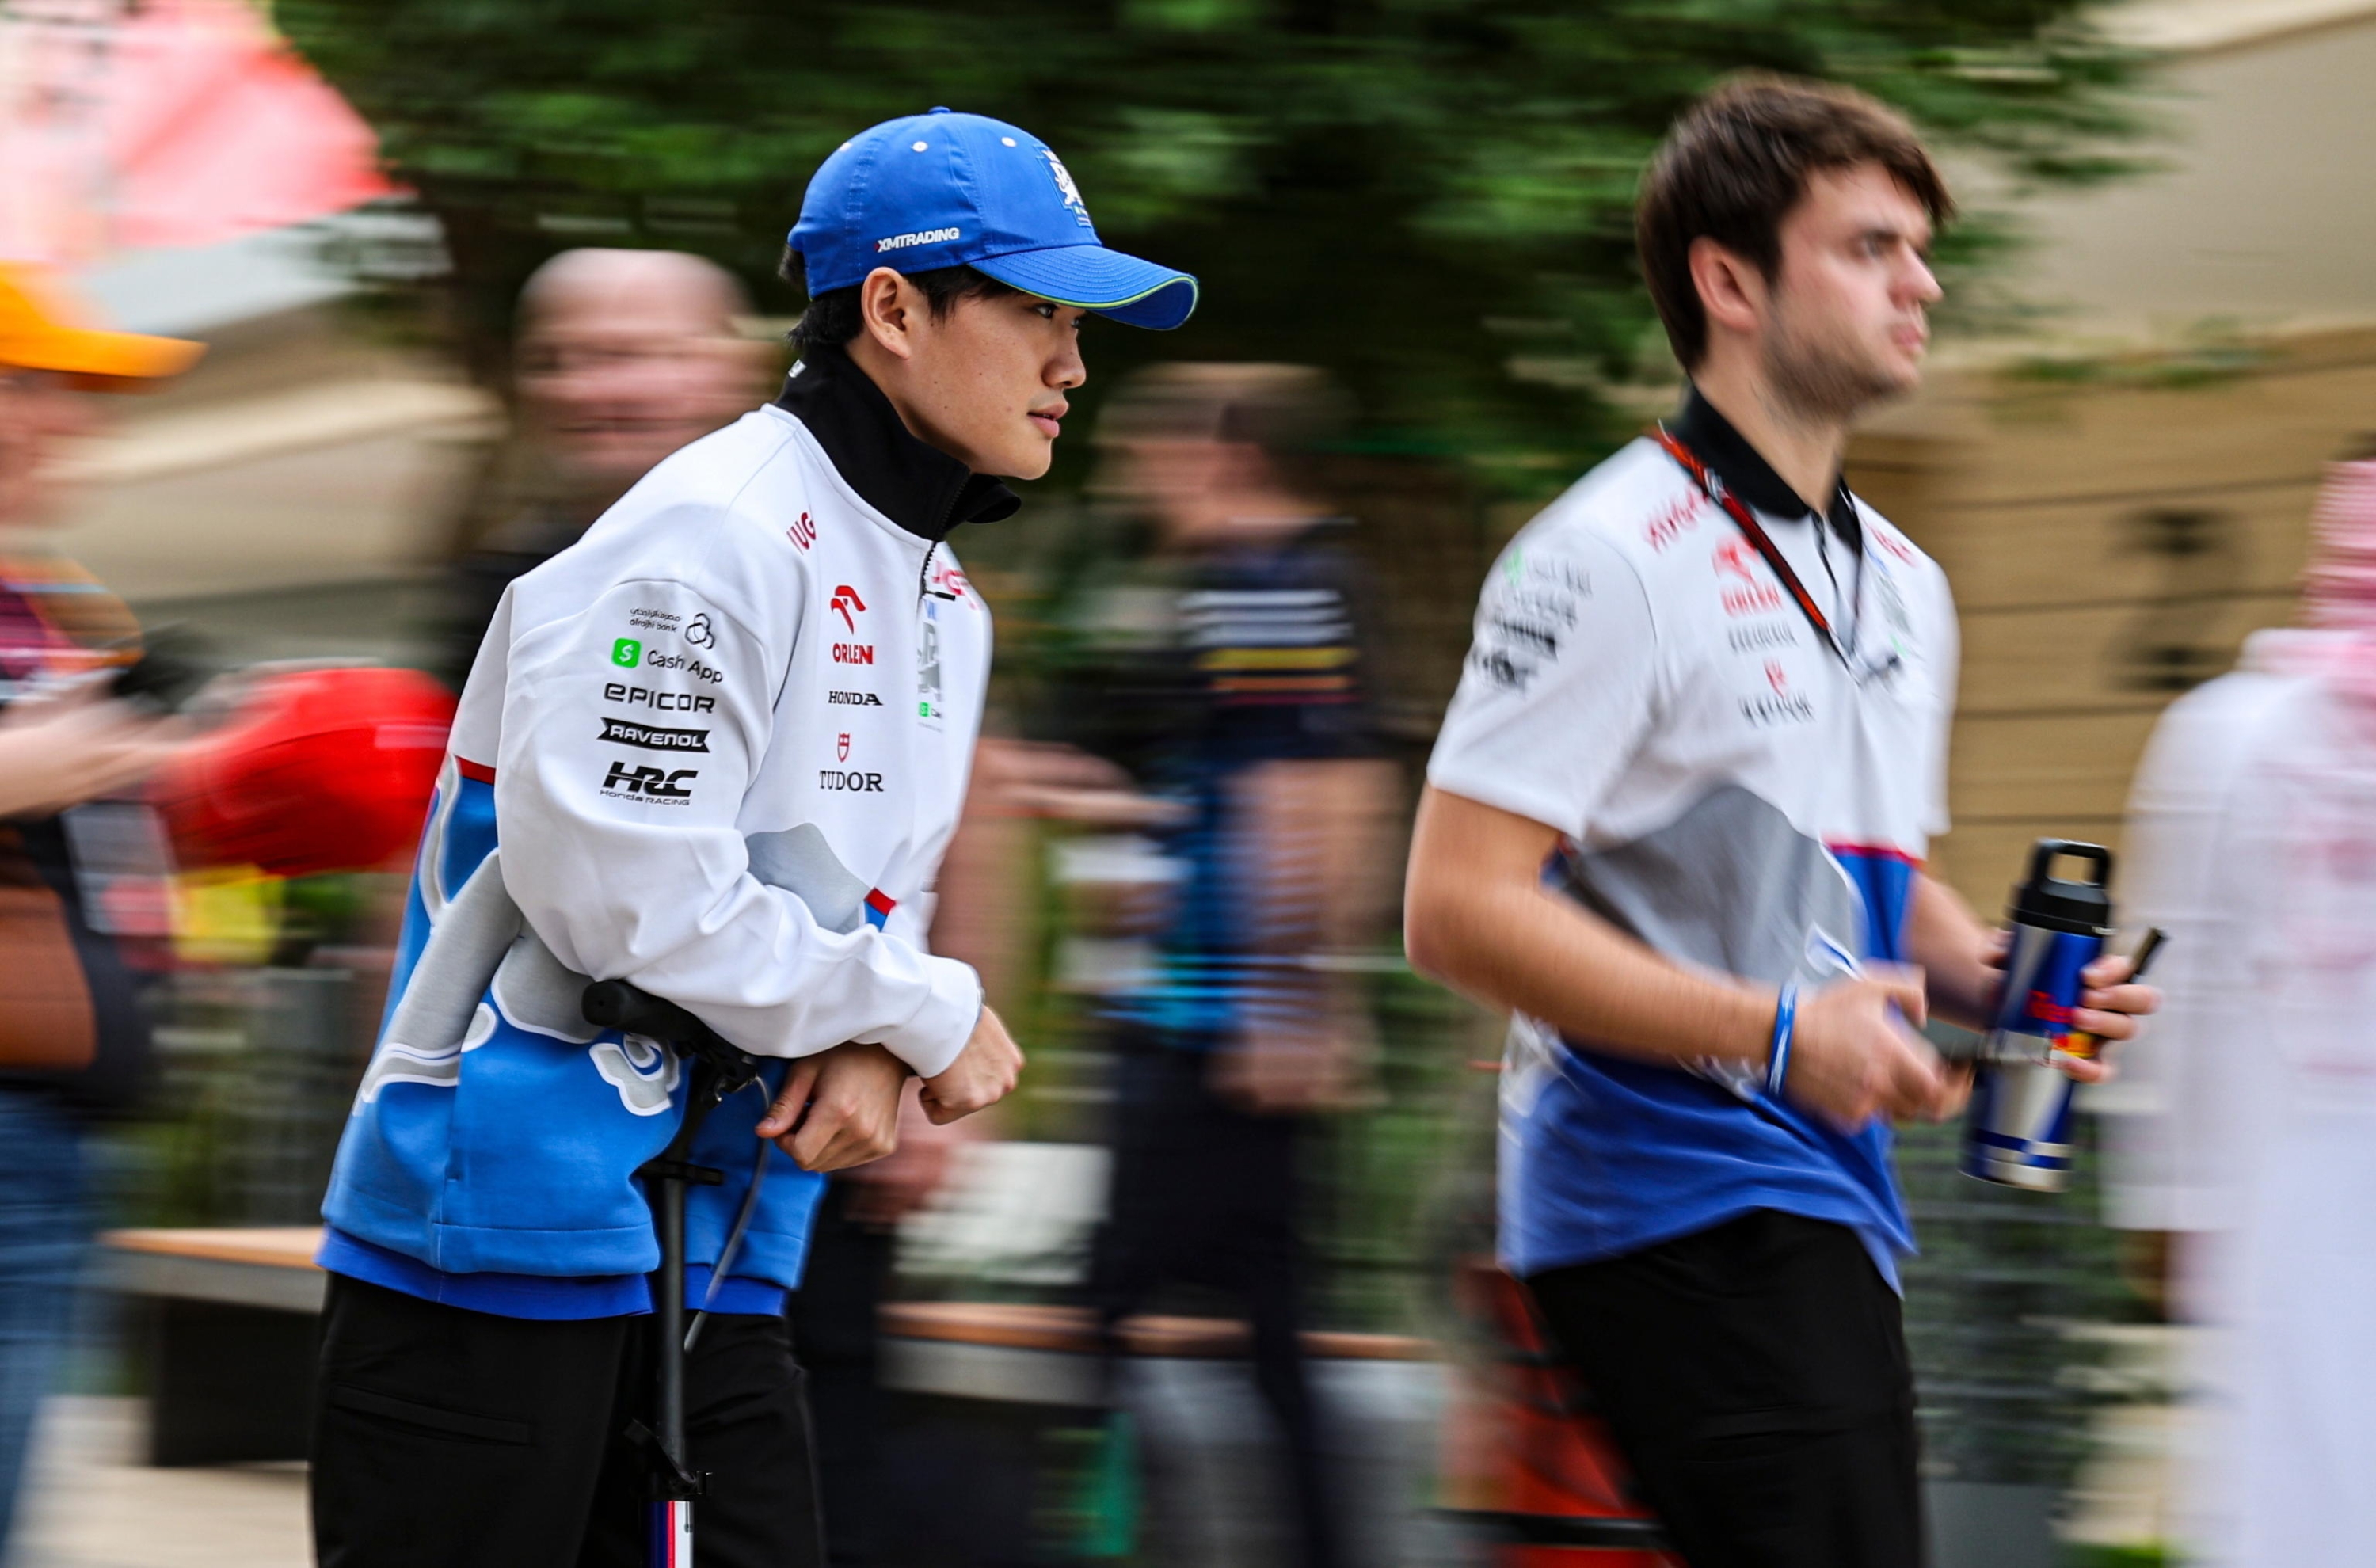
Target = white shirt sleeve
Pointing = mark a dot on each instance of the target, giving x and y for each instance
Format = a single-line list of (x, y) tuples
[(1559, 686), (629, 863), (2165, 1111)]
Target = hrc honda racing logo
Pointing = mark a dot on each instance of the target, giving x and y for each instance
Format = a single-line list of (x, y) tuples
[(658, 786)]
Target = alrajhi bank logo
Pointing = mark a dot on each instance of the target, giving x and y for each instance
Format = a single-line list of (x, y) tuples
[(626, 653)]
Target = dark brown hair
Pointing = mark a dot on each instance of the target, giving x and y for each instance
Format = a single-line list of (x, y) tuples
[(1735, 165)]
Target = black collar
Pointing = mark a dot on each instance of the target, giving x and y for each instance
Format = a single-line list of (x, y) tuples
[(915, 485), (1713, 439)]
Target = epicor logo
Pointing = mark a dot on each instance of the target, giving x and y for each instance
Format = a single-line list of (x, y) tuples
[(625, 652), (666, 701), (845, 600)]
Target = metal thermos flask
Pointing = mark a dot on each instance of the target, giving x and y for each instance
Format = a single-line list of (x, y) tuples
[(2018, 1130)]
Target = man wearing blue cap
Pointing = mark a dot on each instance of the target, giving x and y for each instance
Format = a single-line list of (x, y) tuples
[(717, 749)]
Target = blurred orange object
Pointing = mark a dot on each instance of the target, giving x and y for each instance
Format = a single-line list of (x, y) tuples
[(318, 770), (1526, 1461)]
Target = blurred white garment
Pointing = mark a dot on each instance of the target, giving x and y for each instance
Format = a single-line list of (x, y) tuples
[(2253, 1128)]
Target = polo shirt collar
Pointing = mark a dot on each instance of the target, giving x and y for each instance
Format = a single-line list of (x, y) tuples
[(914, 483), (1747, 474)]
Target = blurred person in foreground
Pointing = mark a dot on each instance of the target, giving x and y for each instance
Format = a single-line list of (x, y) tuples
[(1675, 826), (622, 357), (2253, 843), (1245, 710), (73, 1041), (715, 748)]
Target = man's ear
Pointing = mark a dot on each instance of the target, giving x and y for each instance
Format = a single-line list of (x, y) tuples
[(887, 304), (1732, 291)]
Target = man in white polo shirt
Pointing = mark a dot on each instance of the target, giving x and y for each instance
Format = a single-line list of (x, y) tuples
[(1675, 824)]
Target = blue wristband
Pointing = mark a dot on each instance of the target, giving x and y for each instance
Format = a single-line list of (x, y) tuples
[(1786, 1019)]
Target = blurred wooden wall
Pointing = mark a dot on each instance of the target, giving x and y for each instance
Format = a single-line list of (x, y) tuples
[(2112, 538)]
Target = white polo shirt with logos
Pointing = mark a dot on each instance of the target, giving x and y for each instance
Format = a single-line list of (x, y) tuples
[(1731, 787)]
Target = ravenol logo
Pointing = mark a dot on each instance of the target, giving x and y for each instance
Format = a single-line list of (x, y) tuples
[(626, 653)]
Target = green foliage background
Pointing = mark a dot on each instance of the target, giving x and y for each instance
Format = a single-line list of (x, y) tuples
[(1429, 197)]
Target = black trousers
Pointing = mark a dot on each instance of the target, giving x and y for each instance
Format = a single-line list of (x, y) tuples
[(459, 1438), (1756, 1376), (834, 1316), (1206, 1193)]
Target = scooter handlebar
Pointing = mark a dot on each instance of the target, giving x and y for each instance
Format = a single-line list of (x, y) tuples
[(616, 1004)]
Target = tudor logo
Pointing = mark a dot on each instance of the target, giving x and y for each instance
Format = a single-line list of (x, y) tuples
[(845, 600), (841, 747)]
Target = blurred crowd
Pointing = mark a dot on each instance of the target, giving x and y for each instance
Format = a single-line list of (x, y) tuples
[(1178, 873)]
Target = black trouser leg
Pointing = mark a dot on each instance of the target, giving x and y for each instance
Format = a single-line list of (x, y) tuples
[(747, 1425), (834, 1333), (1280, 1374), (454, 1437), (1756, 1376), (460, 1438)]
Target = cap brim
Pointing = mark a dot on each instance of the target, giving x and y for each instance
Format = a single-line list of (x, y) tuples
[(105, 356), (1134, 292)]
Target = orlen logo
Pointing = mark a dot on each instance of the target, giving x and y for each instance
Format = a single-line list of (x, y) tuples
[(845, 600), (802, 533), (1733, 558)]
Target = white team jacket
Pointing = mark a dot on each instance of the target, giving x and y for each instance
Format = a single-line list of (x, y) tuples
[(728, 736)]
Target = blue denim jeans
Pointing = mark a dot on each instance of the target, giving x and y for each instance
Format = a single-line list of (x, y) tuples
[(44, 1233)]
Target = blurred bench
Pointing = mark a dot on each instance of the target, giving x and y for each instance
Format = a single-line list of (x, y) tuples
[(224, 1325), (230, 1319)]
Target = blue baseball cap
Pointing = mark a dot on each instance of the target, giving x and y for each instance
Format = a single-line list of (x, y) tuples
[(943, 189)]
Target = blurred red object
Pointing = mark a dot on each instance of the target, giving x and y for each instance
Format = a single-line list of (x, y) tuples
[(318, 770), (166, 122), (1527, 1462)]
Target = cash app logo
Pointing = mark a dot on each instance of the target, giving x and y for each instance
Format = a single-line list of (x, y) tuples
[(626, 653)]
